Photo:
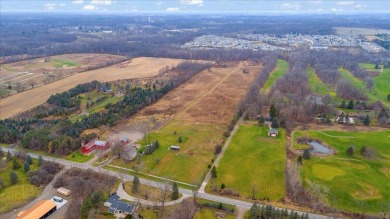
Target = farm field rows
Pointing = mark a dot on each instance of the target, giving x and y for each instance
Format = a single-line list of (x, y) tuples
[(136, 68), (253, 158), (43, 70), (194, 112), (280, 69), (354, 182)]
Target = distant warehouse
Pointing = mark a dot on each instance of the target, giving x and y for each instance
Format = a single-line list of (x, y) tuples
[(40, 210)]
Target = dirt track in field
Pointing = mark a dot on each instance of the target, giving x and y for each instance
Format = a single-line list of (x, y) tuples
[(136, 68), (209, 97)]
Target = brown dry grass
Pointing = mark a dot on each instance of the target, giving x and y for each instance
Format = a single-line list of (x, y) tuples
[(136, 68), (209, 97)]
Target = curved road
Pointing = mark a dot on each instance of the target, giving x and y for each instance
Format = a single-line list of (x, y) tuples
[(185, 192)]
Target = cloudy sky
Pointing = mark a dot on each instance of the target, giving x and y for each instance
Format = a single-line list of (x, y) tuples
[(206, 6)]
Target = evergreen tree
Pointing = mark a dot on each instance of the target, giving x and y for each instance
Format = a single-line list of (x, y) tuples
[(388, 97), (342, 105), (306, 154), (96, 197), (275, 124), (222, 185), (26, 166), (40, 160), (13, 177), (175, 191), (366, 120), (350, 104), (213, 172), (350, 150), (15, 164), (254, 211), (272, 112), (29, 159), (282, 123), (299, 160), (9, 156), (261, 120), (180, 140), (136, 183)]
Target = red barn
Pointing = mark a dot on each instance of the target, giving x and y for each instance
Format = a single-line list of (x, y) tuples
[(95, 145)]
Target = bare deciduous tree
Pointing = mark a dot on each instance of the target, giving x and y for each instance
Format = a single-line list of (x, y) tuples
[(254, 190), (165, 188), (32, 83), (117, 147), (187, 209)]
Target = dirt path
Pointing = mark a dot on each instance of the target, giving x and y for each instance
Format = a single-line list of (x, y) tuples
[(212, 89)]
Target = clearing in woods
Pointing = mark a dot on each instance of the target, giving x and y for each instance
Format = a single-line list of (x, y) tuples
[(136, 68), (354, 181), (381, 82), (199, 112), (280, 69), (253, 159), (316, 85)]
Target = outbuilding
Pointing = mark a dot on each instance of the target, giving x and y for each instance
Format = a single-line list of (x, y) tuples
[(95, 145), (273, 132), (63, 191), (174, 148), (40, 210)]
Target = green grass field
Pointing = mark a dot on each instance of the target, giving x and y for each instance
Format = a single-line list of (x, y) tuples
[(381, 87), (13, 196), (59, 63), (280, 69), (316, 85), (76, 156), (190, 163), (253, 158), (382, 81), (354, 182)]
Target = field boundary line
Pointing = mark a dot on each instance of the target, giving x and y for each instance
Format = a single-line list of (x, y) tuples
[(150, 175)]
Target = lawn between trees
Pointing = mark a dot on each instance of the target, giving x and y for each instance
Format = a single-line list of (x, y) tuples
[(14, 195), (253, 162), (356, 183), (280, 69), (190, 163)]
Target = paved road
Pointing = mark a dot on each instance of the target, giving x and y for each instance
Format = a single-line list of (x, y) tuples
[(126, 177), (208, 176)]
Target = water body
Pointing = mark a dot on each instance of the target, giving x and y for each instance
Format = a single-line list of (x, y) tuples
[(319, 148)]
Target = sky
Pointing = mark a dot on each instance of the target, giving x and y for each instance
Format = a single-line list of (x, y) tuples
[(196, 6)]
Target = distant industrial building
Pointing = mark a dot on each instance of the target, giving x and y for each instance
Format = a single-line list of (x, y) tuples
[(40, 210)]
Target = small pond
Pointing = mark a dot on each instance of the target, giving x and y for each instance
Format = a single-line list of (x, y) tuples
[(319, 148)]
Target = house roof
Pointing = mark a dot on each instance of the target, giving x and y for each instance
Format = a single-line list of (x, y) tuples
[(100, 143), (94, 142), (112, 198), (122, 206), (38, 210), (273, 131)]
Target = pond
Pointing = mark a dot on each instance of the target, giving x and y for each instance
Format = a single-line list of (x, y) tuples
[(319, 148)]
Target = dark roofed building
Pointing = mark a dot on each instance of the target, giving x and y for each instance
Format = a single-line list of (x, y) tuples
[(119, 208)]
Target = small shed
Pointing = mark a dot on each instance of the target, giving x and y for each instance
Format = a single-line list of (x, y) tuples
[(273, 132)]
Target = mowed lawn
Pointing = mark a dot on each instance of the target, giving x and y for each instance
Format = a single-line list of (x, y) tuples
[(354, 182), (382, 81), (280, 69), (189, 164), (13, 196), (381, 87), (316, 85), (253, 158)]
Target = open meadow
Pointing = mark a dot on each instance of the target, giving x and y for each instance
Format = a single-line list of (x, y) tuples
[(280, 69), (316, 85), (193, 111), (358, 181), (136, 68), (382, 81), (253, 159)]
